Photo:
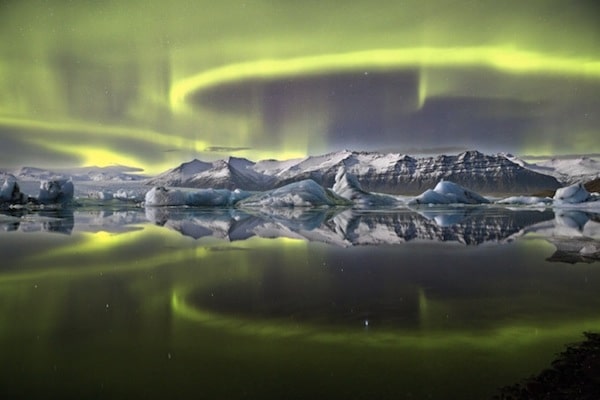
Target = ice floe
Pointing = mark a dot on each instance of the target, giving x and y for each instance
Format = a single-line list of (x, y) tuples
[(10, 192), (56, 191), (161, 196), (446, 192), (572, 194), (347, 186), (306, 193)]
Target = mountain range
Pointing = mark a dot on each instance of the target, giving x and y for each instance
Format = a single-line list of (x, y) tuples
[(376, 172), (391, 173), (115, 173)]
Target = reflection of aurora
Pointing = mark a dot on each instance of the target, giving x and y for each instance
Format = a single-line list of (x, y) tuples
[(126, 254), (134, 300), (507, 337)]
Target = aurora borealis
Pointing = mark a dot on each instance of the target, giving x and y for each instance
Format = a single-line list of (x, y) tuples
[(153, 84)]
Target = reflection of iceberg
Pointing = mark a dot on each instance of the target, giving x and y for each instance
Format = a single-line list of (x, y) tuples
[(352, 227), (575, 234), (58, 221)]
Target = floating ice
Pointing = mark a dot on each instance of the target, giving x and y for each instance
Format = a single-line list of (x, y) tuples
[(161, 196), (446, 192), (347, 186), (57, 191), (306, 193), (101, 195), (10, 192), (572, 194), (525, 200)]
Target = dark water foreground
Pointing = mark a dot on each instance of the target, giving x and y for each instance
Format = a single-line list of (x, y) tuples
[(173, 303)]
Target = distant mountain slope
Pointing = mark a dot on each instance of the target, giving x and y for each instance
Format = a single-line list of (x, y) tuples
[(566, 170), (232, 173), (376, 172), (116, 173)]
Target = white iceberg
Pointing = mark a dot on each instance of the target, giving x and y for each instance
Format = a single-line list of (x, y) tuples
[(161, 196), (101, 195), (10, 192), (446, 192), (525, 200), (305, 193), (126, 195), (347, 186), (215, 197), (572, 194), (57, 191)]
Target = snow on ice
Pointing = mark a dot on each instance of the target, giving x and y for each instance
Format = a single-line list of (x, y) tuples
[(58, 191), (446, 192), (306, 193)]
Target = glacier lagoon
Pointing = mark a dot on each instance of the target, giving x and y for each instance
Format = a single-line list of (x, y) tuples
[(124, 302)]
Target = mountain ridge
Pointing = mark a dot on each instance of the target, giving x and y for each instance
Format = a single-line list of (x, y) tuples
[(392, 173)]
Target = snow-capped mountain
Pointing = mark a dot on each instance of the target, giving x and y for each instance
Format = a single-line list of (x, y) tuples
[(182, 174), (232, 173), (115, 173), (376, 172), (566, 170)]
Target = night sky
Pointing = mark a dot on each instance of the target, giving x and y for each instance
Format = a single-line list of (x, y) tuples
[(153, 83)]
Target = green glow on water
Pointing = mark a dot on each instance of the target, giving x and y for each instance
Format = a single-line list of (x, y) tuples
[(98, 306), (509, 338)]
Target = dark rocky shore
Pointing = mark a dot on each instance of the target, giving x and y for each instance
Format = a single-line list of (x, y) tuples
[(574, 375)]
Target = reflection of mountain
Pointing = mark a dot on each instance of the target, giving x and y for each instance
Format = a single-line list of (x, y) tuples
[(353, 228), (575, 234)]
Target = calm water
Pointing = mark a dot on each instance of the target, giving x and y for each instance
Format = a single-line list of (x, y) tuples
[(170, 303)]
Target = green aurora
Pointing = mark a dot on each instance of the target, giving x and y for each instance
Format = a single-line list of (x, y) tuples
[(151, 84)]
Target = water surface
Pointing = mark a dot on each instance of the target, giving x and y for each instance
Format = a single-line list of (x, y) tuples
[(157, 303)]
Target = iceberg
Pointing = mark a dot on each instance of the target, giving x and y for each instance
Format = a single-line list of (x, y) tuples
[(446, 192), (306, 193), (347, 186), (10, 193), (101, 195), (525, 200), (572, 194), (57, 191), (215, 197), (161, 196)]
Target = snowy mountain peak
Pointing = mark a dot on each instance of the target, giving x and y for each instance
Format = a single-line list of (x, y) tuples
[(392, 173), (566, 170), (470, 154), (193, 167)]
